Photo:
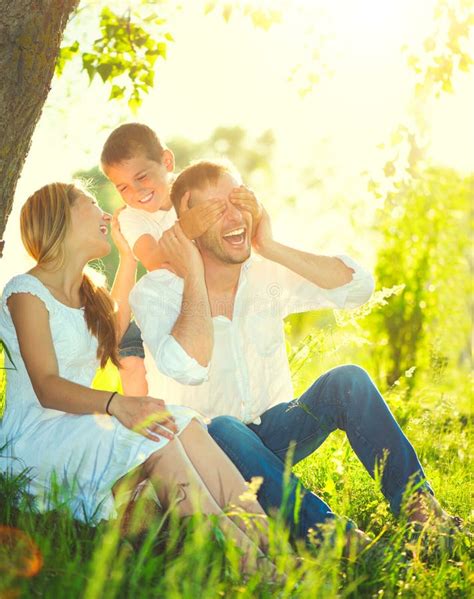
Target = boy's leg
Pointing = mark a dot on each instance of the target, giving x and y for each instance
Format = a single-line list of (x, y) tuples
[(252, 458), (346, 398), (132, 361)]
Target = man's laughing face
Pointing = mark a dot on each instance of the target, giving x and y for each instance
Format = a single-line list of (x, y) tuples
[(228, 240)]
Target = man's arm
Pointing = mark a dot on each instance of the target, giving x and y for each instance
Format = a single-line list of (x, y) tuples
[(193, 329), (176, 325)]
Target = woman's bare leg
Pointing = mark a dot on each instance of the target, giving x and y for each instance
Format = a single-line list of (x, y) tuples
[(223, 480), (175, 479)]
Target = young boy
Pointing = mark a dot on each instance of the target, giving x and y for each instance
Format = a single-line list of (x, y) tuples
[(141, 168)]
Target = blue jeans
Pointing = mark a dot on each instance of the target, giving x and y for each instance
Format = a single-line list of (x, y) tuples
[(343, 398), (131, 343)]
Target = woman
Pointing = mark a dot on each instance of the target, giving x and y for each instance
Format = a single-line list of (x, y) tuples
[(59, 325)]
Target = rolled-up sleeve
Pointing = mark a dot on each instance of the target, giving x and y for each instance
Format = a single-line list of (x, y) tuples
[(300, 295), (356, 292), (156, 303)]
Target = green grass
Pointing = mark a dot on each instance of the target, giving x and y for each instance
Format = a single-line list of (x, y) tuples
[(174, 560)]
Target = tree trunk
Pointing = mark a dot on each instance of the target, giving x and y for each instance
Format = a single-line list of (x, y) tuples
[(30, 38)]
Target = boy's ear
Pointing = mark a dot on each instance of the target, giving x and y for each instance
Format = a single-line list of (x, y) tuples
[(167, 159)]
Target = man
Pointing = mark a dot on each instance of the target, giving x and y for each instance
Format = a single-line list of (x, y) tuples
[(215, 328)]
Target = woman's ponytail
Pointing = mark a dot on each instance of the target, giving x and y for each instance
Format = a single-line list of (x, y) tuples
[(101, 320)]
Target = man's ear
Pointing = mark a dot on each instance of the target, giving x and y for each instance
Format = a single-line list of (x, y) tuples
[(167, 159), (184, 203)]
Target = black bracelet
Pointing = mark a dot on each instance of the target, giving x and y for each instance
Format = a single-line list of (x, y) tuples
[(108, 403)]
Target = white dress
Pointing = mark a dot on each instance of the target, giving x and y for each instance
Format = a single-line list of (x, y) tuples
[(78, 457)]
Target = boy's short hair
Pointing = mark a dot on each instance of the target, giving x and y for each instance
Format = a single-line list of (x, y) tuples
[(200, 175), (131, 139)]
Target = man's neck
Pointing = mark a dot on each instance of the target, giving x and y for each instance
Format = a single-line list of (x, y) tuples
[(221, 278)]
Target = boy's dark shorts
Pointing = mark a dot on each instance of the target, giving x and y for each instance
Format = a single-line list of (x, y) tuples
[(132, 343)]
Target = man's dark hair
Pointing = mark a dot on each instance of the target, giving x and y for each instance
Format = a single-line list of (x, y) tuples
[(200, 175), (128, 141)]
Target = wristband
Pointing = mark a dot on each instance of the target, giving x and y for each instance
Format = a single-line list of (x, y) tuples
[(108, 403)]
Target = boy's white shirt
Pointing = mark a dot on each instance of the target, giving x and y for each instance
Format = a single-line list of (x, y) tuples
[(134, 223)]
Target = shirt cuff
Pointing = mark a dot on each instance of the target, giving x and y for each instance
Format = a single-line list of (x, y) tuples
[(356, 292), (173, 361)]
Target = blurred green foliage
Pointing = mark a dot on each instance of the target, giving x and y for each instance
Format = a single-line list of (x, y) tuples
[(418, 325), (425, 244), (445, 50)]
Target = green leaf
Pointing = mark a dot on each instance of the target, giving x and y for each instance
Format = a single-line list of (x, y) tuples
[(65, 54), (134, 103), (465, 63), (88, 65), (447, 86), (389, 169), (227, 12), (104, 70), (117, 92), (209, 6), (162, 49)]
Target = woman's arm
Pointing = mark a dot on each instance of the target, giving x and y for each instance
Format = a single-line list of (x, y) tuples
[(31, 320)]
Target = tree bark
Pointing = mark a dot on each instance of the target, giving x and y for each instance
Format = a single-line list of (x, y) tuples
[(30, 38)]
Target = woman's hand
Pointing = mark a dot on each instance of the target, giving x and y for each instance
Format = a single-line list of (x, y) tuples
[(118, 239), (196, 220), (145, 415)]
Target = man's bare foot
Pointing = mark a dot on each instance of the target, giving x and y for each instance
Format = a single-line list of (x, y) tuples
[(433, 530), (423, 507)]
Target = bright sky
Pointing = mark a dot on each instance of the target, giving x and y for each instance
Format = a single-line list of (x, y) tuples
[(234, 74)]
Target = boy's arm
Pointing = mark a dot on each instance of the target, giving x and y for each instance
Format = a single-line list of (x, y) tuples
[(124, 277), (194, 222), (149, 251)]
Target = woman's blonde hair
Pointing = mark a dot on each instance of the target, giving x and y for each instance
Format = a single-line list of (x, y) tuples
[(44, 221)]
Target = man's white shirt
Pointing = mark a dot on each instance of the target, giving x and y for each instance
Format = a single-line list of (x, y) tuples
[(249, 371)]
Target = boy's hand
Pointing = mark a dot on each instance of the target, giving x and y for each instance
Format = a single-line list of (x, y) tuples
[(263, 237), (196, 220), (181, 255), (245, 199), (118, 239)]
